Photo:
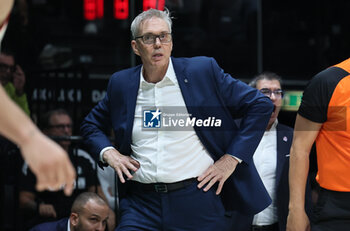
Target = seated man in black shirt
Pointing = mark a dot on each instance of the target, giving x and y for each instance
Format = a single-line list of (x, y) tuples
[(38, 207)]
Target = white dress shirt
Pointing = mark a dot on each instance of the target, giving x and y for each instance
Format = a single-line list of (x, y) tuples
[(265, 160), (107, 180), (165, 156)]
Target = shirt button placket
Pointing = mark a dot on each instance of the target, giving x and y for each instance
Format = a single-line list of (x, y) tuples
[(157, 105)]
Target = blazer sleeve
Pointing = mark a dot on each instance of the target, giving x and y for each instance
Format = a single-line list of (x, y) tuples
[(97, 125), (246, 103)]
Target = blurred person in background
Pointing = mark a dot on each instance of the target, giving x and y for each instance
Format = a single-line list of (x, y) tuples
[(89, 213), (13, 80), (271, 159), (38, 207)]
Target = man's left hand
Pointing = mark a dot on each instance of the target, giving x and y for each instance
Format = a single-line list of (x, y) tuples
[(218, 172)]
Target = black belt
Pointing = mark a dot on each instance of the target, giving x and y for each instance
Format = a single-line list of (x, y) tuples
[(161, 187), (273, 227)]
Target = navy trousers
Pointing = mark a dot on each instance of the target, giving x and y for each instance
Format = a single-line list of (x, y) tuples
[(186, 209)]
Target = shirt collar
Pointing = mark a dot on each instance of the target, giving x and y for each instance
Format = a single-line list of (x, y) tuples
[(169, 78), (273, 126), (68, 225)]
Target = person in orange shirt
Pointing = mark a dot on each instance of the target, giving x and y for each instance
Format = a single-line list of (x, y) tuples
[(323, 117)]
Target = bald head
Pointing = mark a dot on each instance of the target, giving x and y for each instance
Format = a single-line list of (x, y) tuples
[(89, 213), (84, 198)]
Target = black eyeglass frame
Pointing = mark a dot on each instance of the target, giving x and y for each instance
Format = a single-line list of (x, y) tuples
[(155, 38), (268, 92)]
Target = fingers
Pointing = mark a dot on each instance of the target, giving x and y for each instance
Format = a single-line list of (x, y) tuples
[(70, 179), (121, 170), (211, 183), (56, 179), (132, 165), (42, 182), (203, 179), (120, 175), (47, 179), (135, 163), (126, 171), (48, 184), (60, 176), (221, 184), (215, 173), (68, 188), (123, 165), (208, 178)]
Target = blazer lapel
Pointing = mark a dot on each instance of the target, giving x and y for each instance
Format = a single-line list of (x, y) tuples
[(281, 146), (184, 82), (62, 225), (132, 91)]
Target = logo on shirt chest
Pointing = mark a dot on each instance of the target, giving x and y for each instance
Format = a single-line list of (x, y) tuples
[(176, 119), (152, 118)]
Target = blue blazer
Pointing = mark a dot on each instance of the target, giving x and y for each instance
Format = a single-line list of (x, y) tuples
[(60, 225), (284, 142), (207, 92)]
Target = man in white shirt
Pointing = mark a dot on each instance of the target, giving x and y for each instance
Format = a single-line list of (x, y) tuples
[(272, 154), (271, 159), (176, 143)]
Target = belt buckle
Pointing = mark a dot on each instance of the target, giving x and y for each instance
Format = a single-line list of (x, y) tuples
[(161, 188)]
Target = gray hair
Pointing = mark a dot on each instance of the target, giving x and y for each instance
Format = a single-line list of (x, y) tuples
[(265, 75), (136, 23)]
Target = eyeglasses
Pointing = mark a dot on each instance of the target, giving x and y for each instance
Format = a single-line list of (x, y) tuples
[(61, 126), (5, 67), (151, 38), (278, 93)]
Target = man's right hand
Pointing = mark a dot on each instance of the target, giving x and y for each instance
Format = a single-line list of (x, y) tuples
[(298, 221), (47, 210), (121, 164)]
